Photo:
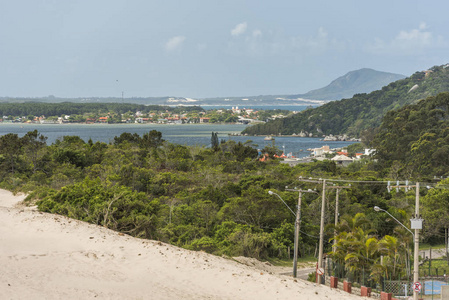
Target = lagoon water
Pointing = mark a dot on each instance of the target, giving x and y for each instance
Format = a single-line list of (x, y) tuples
[(260, 107), (184, 134)]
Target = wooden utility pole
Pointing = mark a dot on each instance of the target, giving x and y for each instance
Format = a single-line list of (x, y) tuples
[(321, 249), (338, 189), (320, 269)]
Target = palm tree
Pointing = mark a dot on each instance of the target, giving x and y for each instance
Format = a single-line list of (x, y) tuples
[(356, 249), (391, 247)]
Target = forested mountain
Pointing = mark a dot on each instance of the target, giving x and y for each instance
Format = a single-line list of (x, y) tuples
[(362, 111), (360, 81), (414, 140)]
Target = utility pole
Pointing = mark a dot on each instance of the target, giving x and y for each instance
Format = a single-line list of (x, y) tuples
[(320, 253), (320, 269), (416, 224), (297, 227), (337, 193), (417, 227), (338, 189)]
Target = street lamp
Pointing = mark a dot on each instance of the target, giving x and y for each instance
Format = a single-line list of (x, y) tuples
[(377, 208), (415, 237)]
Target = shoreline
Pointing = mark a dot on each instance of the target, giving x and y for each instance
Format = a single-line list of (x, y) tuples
[(173, 124)]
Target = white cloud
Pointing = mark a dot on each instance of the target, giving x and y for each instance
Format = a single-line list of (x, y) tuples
[(174, 43), (423, 26), (257, 33), (239, 29), (317, 44), (408, 42), (274, 44)]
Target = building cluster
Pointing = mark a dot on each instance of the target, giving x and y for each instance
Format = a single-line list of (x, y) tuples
[(339, 155), (234, 115)]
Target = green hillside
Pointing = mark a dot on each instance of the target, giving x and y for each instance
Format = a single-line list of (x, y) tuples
[(362, 111), (415, 139)]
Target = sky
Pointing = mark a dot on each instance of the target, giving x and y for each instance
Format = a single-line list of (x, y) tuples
[(209, 48)]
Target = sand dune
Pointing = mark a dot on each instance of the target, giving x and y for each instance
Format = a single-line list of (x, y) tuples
[(45, 256)]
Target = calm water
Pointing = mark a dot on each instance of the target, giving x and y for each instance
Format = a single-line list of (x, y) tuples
[(261, 107), (184, 134)]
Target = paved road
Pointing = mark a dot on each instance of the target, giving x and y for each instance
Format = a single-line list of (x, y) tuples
[(436, 253), (301, 273)]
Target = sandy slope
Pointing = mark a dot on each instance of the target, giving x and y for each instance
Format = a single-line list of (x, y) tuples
[(44, 256)]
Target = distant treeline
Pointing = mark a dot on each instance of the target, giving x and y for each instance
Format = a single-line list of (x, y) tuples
[(69, 108)]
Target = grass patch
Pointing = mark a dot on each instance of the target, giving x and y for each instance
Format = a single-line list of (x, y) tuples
[(437, 267), (428, 246)]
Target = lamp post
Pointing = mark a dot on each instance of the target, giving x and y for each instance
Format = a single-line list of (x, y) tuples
[(297, 225), (377, 208), (416, 240)]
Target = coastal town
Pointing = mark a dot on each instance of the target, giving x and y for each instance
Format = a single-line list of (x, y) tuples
[(162, 116)]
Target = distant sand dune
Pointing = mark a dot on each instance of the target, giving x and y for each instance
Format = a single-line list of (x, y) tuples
[(45, 256)]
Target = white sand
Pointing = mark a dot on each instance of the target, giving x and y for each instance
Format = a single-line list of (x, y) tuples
[(45, 256)]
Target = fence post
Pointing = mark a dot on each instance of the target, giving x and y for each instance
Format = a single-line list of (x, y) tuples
[(363, 275), (334, 282)]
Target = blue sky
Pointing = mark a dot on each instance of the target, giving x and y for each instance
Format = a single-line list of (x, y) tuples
[(207, 48)]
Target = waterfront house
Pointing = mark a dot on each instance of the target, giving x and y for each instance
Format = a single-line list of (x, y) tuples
[(321, 151)]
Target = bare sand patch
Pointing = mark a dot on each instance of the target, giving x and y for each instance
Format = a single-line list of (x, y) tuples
[(46, 256)]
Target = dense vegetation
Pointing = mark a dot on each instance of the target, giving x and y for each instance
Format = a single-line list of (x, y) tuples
[(414, 140), (362, 111), (71, 108), (216, 199)]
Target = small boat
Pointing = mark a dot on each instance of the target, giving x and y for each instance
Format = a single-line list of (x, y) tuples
[(268, 138)]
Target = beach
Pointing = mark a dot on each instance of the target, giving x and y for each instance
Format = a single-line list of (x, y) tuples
[(46, 256)]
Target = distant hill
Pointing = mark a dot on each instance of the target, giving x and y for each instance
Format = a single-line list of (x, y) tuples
[(359, 81), (362, 111), (355, 82)]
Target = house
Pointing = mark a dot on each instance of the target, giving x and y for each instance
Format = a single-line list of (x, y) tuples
[(321, 151), (369, 152), (142, 120), (342, 160)]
